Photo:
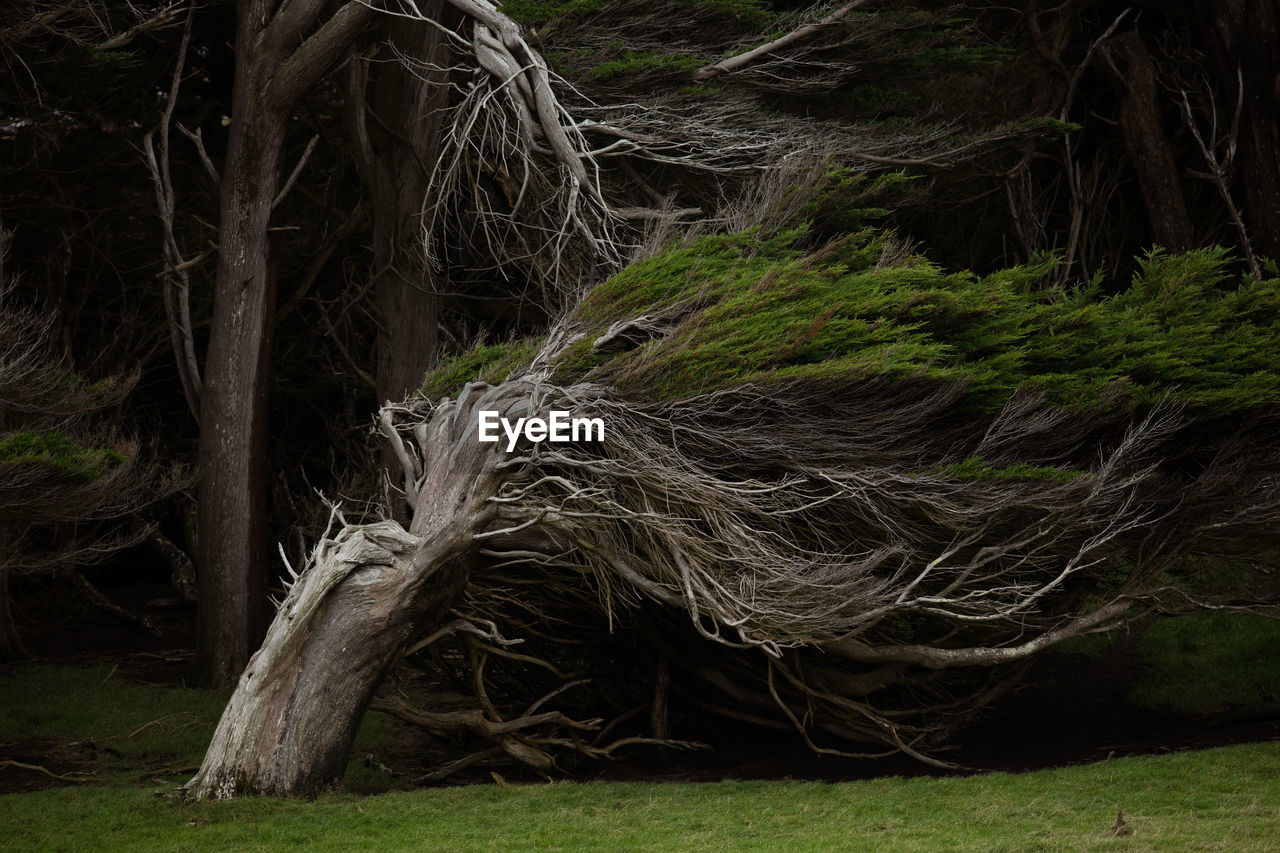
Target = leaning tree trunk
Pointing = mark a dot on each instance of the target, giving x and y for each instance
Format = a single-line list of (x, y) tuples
[(365, 595)]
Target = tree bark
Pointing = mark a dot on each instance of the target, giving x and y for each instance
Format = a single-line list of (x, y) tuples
[(409, 103), (272, 72), (233, 423), (394, 114), (368, 593), (1148, 146), (290, 725)]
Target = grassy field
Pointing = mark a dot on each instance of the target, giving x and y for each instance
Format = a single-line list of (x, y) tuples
[(123, 747), (1224, 799)]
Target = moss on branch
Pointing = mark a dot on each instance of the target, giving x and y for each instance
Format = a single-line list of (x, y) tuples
[(58, 454)]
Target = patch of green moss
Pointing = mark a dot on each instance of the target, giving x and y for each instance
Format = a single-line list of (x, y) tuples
[(57, 453), (490, 363)]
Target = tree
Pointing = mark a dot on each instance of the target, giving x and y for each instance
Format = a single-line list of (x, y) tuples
[(280, 54), (393, 114), (513, 133), (500, 188), (854, 492)]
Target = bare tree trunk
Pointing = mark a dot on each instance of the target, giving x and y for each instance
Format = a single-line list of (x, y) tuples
[(366, 595), (1148, 146), (394, 112), (273, 71), (233, 433), (290, 725)]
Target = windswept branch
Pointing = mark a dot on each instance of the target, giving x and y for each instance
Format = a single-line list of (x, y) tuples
[(742, 60)]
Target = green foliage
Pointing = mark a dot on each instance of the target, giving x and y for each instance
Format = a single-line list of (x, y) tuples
[(870, 98), (1206, 662), (776, 310), (738, 14), (847, 200), (490, 363), (58, 454), (835, 300), (926, 43), (752, 14), (1217, 799), (963, 56)]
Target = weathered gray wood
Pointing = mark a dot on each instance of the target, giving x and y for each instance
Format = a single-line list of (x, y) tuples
[(365, 596)]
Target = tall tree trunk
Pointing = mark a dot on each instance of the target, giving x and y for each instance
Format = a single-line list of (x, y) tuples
[(368, 593), (1148, 146), (233, 418), (275, 66), (395, 154), (1244, 39)]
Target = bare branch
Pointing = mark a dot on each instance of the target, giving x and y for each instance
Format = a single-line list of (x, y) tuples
[(735, 63)]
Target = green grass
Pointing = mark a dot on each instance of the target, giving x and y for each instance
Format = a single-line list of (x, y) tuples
[(92, 717), (1225, 799), (93, 723), (146, 738)]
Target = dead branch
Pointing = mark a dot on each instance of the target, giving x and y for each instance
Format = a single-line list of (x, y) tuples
[(79, 778), (177, 287), (735, 63), (1219, 167)]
